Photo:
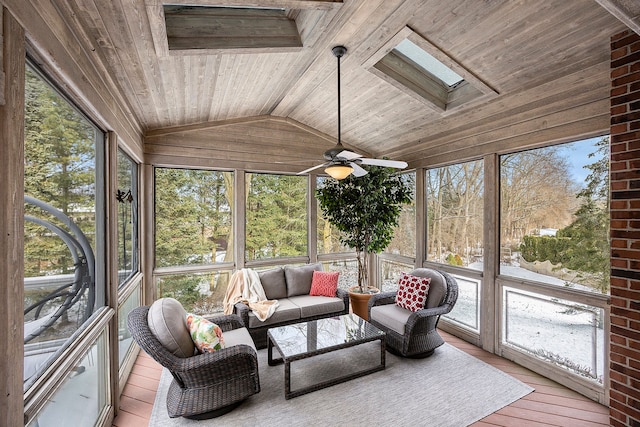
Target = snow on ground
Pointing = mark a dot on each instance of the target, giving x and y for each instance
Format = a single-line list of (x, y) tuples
[(569, 333)]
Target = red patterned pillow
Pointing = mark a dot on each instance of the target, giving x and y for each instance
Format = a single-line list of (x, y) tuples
[(412, 292), (324, 283)]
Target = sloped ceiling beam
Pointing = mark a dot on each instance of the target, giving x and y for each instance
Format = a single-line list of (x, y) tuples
[(627, 11)]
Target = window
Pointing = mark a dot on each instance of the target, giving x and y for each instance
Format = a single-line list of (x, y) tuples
[(64, 224), (348, 269), (127, 199), (328, 238), (82, 396), (420, 69), (193, 211), (276, 216), (199, 293), (125, 340), (554, 246), (428, 63), (216, 27), (390, 273), (404, 234), (564, 333), (466, 311), (554, 210), (455, 206)]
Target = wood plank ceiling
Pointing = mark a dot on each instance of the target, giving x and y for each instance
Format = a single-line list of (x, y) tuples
[(541, 61)]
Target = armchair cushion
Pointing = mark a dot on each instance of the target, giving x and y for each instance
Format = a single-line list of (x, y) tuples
[(299, 278), (391, 316), (324, 283), (237, 337), (412, 292), (437, 287), (167, 320), (206, 335)]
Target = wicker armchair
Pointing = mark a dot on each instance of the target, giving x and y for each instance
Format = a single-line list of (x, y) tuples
[(204, 385), (414, 334)]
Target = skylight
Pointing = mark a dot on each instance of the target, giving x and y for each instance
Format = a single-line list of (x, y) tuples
[(420, 69), (428, 62)]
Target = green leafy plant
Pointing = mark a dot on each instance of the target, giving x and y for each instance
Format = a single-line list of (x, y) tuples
[(365, 210)]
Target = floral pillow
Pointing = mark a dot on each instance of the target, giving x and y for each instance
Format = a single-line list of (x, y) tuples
[(412, 292), (324, 283), (206, 335)]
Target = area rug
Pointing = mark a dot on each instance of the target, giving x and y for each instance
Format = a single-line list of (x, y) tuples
[(450, 388)]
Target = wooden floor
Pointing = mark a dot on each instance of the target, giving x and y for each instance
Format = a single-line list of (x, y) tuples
[(549, 405)]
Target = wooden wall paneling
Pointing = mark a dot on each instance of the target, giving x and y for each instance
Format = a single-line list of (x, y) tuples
[(206, 125), (312, 218), (12, 222), (65, 56), (626, 11), (203, 163), (421, 217), (240, 187), (155, 15), (322, 67), (490, 297), (587, 128), (505, 112), (287, 4), (272, 136), (135, 70), (83, 23), (147, 228), (2, 82), (266, 144), (312, 24), (111, 183), (547, 123)]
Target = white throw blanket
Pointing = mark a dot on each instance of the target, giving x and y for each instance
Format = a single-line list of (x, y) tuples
[(245, 286)]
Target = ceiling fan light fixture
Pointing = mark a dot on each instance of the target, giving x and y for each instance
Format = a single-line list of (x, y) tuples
[(339, 171)]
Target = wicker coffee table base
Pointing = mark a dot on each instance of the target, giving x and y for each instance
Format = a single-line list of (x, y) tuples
[(288, 393)]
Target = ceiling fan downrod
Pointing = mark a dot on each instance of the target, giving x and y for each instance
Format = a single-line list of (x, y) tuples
[(338, 52)]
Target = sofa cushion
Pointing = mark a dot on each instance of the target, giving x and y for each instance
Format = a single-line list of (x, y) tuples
[(324, 283), (273, 283), (299, 278), (237, 337), (206, 335), (391, 316), (412, 292), (167, 321), (285, 312), (317, 305)]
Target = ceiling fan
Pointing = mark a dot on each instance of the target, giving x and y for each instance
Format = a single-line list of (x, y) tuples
[(341, 163)]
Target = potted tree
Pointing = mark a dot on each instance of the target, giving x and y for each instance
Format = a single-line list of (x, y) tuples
[(365, 210)]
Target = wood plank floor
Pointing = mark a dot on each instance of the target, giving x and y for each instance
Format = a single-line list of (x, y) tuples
[(549, 405)]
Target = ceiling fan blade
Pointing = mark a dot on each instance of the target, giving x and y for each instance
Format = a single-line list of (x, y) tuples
[(348, 155), (384, 162), (311, 168), (357, 170)]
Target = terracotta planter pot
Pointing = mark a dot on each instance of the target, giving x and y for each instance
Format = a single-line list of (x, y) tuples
[(360, 302)]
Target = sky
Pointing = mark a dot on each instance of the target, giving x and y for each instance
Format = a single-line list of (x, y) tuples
[(577, 155)]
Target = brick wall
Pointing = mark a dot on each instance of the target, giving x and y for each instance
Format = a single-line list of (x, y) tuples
[(624, 352)]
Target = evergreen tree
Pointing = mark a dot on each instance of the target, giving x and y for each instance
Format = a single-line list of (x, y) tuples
[(589, 233), (276, 214), (59, 170)]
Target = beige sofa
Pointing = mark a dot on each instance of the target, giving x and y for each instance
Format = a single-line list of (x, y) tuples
[(290, 286)]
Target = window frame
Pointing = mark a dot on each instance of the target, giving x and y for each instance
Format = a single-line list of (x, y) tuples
[(51, 377)]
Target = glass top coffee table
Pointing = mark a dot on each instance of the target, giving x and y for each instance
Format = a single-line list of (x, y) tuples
[(318, 337)]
